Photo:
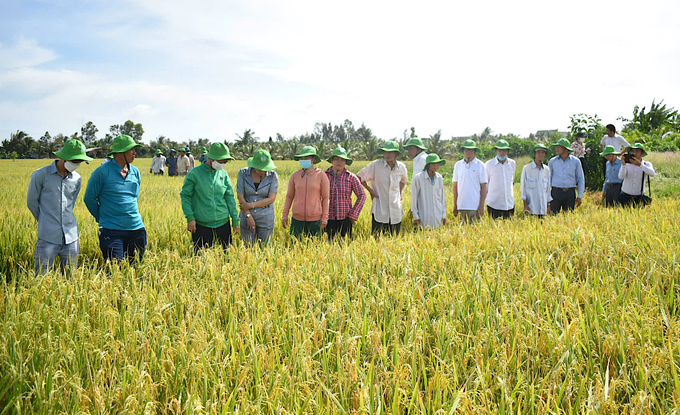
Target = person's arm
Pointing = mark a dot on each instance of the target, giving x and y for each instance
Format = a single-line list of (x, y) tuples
[(365, 175), (523, 190), (186, 194), (415, 191), (602, 144), (361, 199), (91, 198), (482, 199), (623, 171), (290, 195), (34, 191), (231, 204), (580, 182), (404, 180), (648, 168), (325, 199)]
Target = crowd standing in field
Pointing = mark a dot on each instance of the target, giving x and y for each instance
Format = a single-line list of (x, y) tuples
[(320, 201)]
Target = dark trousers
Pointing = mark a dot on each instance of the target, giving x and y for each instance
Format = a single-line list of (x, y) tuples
[(119, 245), (343, 227), (611, 194), (564, 198), (625, 199), (303, 228), (205, 237), (500, 214), (378, 228)]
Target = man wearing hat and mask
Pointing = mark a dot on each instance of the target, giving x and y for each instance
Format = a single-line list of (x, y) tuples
[(111, 197), (566, 178), (470, 181), (52, 194), (500, 198), (417, 152), (203, 158), (388, 178), (158, 163)]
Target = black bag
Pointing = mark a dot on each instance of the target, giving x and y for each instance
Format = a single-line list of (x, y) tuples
[(644, 199)]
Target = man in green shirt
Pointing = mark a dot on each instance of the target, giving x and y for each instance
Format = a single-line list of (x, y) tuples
[(208, 201)]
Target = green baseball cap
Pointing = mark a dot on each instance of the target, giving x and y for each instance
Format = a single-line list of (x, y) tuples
[(609, 150), (308, 151), (502, 145), (538, 147), (390, 146), (416, 142), (637, 145), (469, 144), (564, 143), (261, 160), (342, 153), (433, 158), (123, 143), (219, 151), (73, 150), (159, 151)]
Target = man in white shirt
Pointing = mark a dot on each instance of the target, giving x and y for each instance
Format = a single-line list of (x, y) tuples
[(535, 184), (500, 200), (158, 163), (388, 179), (416, 152), (633, 171), (183, 163), (612, 139), (428, 199), (469, 185)]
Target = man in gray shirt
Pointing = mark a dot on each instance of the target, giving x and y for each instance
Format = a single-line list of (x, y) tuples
[(52, 194)]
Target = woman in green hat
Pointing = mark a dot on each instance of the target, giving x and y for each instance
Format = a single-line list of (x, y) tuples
[(341, 214), (208, 201), (308, 195), (52, 195), (257, 186), (203, 158), (158, 163), (111, 197), (388, 178), (633, 172), (428, 200)]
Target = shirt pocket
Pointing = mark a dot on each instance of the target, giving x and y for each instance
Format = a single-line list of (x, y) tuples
[(532, 183), (545, 183)]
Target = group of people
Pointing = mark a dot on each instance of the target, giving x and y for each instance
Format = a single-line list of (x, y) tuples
[(316, 201), (177, 165)]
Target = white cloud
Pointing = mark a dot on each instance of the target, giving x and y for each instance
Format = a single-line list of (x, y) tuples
[(25, 53)]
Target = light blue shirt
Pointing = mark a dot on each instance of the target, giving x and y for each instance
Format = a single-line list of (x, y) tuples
[(611, 174), (51, 199), (112, 199), (567, 173)]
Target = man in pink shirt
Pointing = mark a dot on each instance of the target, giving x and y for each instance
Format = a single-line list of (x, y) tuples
[(308, 194)]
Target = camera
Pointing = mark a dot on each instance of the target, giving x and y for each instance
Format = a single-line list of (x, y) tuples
[(628, 157)]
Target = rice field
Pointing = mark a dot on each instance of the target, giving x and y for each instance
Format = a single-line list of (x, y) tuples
[(576, 313)]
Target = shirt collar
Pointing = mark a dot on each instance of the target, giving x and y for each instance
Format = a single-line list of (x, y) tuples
[(53, 169), (533, 165)]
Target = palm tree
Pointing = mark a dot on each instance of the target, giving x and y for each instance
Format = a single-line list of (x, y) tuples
[(436, 145)]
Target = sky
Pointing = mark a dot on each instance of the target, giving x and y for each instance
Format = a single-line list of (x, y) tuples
[(212, 69)]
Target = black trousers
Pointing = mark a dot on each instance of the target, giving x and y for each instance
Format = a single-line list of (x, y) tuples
[(500, 214), (611, 194), (342, 227), (563, 199), (205, 237), (378, 228), (635, 200)]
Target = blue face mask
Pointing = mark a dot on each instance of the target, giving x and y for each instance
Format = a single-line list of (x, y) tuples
[(305, 164), (501, 158)]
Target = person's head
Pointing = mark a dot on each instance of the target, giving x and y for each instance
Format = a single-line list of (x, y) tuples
[(307, 157), (539, 153), (339, 159), (469, 150), (611, 130), (502, 149), (338, 163), (502, 154), (261, 162), (73, 154), (563, 148), (390, 156), (172, 152), (124, 149), (433, 163), (413, 151), (611, 157), (159, 152), (390, 151), (580, 137), (414, 146), (218, 156), (610, 153), (182, 153), (637, 150)]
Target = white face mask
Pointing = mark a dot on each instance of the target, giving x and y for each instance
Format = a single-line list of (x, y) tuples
[(218, 166), (70, 166)]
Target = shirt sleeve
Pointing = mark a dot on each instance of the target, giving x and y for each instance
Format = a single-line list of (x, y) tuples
[(290, 195), (404, 173), (34, 190), (550, 198), (91, 198), (415, 190), (367, 174), (358, 190), (580, 179), (240, 185), (483, 174), (625, 142), (186, 194), (325, 197), (274, 188), (623, 172), (648, 168), (455, 173), (231, 202), (522, 186)]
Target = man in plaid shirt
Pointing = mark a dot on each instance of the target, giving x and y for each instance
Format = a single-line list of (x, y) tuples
[(341, 214)]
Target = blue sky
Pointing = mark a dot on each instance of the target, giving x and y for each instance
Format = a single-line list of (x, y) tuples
[(213, 69)]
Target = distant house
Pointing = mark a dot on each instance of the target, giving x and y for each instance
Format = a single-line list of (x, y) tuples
[(549, 133)]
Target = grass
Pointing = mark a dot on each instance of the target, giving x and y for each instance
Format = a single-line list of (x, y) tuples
[(577, 313)]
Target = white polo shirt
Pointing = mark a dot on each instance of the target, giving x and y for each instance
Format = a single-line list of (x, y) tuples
[(500, 194), (469, 178), (617, 141)]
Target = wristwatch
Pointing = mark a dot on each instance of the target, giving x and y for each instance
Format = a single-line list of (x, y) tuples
[(248, 215)]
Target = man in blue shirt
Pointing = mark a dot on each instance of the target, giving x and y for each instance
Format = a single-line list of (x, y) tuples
[(566, 176), (171, 162), (52, 194), (611, 189), (111, 197)]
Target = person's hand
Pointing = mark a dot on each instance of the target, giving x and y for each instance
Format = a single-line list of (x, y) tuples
[(251, 223), (604, 195), (417, 222), (353, 221), (480, 211), (549, 210), (402, 196), (191, 226), (323, 225), (444, 221), (455, 211), (636, 161), (374, 194), (623, 159), (150, 170), (235, 229), (579, 201), (284, 222), (527, 211)]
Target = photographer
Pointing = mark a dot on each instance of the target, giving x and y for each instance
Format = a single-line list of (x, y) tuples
[(633, 171)]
